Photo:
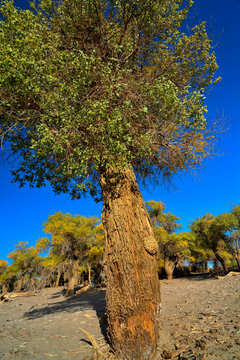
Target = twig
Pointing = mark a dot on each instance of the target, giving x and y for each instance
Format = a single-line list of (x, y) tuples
[(93, 342)]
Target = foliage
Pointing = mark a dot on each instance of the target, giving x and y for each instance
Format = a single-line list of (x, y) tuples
[(96, 252), (74, 239), (200, 253), (3, 269), (3, 265), (167, 221), (235, 234), (213, 233), (173, 247), (26, 264), (88, 85)]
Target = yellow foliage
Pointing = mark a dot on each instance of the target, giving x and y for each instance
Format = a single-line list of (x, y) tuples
[(161, 234), (96, 251), (3, 263)]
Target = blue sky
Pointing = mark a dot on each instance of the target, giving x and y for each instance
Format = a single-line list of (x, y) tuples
[(214, 189)]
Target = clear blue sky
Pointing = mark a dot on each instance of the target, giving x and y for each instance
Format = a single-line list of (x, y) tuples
[(216, 187)]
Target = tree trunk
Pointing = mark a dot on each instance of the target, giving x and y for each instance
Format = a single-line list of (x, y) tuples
[(206, 266), (222, 261), (130, 268), (72, 278), (4, 288), (238, 258), (89, 274), (19, 285), (58, 278), (168, 267)]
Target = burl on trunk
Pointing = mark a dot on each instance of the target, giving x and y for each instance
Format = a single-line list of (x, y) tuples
[(132, 284)]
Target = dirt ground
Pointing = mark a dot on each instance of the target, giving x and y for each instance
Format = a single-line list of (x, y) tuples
[(200, 320)]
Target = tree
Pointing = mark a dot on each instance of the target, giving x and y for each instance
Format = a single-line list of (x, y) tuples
[(167, 221), (174, 247), (235, 237), (92, 94), (71, 239), (95, 254), (53, 263), (201, 254), (25, 266), (3, 268), (235, 234), (211, 232)]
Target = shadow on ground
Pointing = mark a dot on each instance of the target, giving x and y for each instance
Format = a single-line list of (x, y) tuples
[(93, 299), (90, 300)]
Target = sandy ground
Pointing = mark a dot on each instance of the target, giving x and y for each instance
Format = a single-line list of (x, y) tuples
[(200, 320)]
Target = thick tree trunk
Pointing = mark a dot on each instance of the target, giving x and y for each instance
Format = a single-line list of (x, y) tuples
[(221, 260), (72, 278), (132, 284), (168, 267)]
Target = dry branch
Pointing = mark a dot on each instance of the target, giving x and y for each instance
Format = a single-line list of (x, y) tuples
[(5, 297), (93, 342), (231, 273), (85, 288)]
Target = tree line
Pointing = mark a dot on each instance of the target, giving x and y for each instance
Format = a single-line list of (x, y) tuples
[(73, 253)]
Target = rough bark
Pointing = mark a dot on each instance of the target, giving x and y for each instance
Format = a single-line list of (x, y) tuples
[(169, 267), (130, 268)]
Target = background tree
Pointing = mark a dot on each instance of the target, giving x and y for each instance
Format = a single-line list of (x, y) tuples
[(201, 254), (71, 239), (211, 232), (3, 268), (53, 264), (25, 267), (92, 93), (94, 258), (235, 234), (173, 247)]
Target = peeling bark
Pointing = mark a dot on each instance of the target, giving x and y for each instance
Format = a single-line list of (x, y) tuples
[(130, 267)]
